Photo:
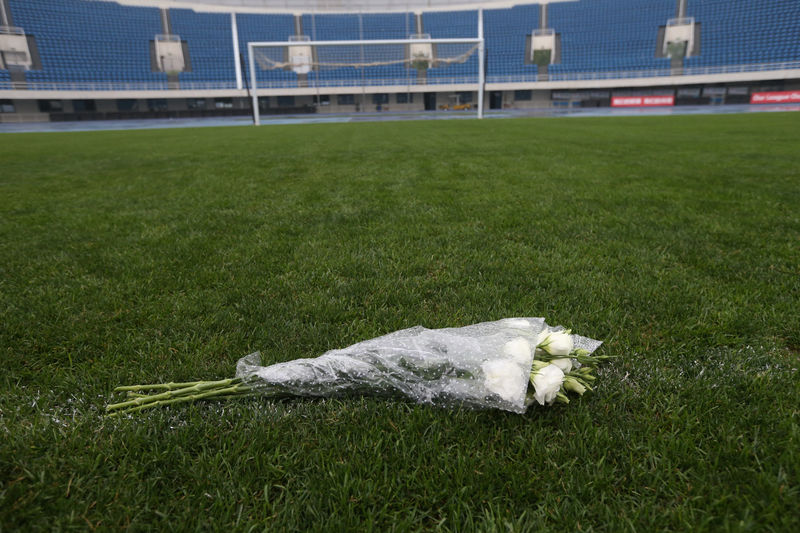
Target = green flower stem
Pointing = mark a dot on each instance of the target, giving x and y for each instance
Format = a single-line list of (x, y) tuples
[(158, 386), (237, 390), (583, 373), (592, 360), (131, 394), (582, 358), (196, 388)]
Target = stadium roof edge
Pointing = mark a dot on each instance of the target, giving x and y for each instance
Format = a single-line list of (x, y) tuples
[(331, 6)]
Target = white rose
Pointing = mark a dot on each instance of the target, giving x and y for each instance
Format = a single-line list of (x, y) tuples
[(519, 350), (547, 383), (504, 378), (564, 363), (555, 342), (542, 338)]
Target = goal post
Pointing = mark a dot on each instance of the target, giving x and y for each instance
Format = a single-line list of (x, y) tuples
[(419, 64)]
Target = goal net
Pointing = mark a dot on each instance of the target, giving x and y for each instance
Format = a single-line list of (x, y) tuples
[(417, 64)]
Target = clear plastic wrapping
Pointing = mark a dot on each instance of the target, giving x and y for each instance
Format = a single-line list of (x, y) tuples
[(486, 365)]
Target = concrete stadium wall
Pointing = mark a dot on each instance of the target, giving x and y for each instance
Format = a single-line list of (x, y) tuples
[(175, 103)]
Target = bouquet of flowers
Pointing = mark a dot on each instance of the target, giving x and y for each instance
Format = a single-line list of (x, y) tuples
[(508, 364)]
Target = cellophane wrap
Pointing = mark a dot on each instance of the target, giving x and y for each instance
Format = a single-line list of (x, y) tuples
[(479, 366)]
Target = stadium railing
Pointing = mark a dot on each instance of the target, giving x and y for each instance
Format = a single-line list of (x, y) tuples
[(398, 82), (649, 73)]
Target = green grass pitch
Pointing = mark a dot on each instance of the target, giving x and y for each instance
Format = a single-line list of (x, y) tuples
[(146, 256)]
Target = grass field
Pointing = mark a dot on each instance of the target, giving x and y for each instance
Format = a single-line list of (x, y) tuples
[(146, 256)]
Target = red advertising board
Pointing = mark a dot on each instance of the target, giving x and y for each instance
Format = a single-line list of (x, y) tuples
[(776, 97), (643, 101)]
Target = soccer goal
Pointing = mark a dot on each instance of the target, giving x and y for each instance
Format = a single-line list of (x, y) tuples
[(418, 64)]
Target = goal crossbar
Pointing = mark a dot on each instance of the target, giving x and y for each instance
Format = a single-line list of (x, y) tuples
[(477, 45), (367, 42)]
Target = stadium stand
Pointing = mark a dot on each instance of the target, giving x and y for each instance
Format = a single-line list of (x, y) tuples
[(262, 28), (102, 45), (208, 36), (359, 27), (387, 26), (506, 31), (334, 28), (81, 41), (448, 25), (742, 32), (609, 35)]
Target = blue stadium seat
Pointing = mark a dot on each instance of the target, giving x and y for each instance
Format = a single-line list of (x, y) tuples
[(210, 42), (609, 35), (81, 41), (506, 31), (742, 32), (451, 25), (92, 41), (261, 28)]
